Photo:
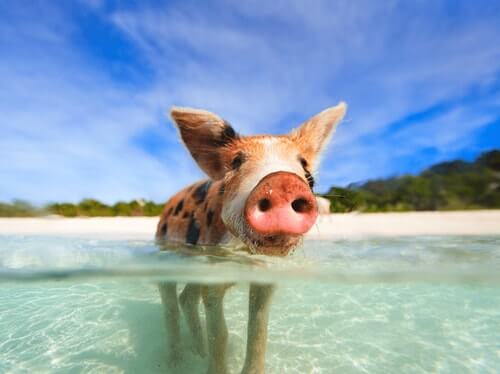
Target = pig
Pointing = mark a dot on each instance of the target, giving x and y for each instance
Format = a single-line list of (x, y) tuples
[(259, 196)]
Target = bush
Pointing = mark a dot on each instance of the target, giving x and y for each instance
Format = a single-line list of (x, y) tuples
[(18, 208)]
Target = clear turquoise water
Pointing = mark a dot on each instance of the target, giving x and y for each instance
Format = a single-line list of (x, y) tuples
[(412, 305)]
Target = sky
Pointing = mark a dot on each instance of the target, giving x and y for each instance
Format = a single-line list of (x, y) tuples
[(86, 85)]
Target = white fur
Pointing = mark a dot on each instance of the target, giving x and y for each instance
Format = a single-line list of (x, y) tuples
[(271, 162)]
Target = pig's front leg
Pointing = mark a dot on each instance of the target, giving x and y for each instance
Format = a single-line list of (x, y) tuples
[(258, 317), (213, 297), (168, 293), (189, 301)]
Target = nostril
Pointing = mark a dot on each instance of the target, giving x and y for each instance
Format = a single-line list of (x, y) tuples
[(264, 205), (301, 205)]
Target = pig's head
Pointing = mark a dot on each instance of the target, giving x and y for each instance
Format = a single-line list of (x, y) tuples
[(268, 200)]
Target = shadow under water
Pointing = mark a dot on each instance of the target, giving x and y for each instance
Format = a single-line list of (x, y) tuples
[(377, 305)]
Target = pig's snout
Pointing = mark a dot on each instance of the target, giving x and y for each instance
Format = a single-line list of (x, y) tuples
[(282, 203)]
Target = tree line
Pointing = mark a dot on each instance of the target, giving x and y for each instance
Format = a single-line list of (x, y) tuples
[(452, 185), (85, 208)]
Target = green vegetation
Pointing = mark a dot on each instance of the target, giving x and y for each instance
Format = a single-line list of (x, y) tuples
[(85, 208), (450, 185), (94, 208), (18, 208)]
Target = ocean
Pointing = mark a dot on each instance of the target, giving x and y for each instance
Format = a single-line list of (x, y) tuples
[(393, 305)]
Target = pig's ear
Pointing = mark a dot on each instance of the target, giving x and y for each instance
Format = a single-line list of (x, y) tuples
[(205, 136), (314, 134)]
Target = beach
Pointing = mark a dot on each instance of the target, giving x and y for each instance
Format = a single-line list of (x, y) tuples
[(328, 227)]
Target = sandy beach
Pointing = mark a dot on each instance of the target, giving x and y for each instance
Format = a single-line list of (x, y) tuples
[(333, 226)]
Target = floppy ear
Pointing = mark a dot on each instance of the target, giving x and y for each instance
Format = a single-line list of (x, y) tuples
[(205, 136), (314, 134)]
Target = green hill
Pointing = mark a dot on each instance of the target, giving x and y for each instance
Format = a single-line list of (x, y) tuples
[(449, 185)]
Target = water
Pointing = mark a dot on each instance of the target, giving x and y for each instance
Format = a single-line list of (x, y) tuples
[(421, 304)]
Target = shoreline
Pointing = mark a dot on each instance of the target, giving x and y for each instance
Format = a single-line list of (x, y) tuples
[(335, 226)]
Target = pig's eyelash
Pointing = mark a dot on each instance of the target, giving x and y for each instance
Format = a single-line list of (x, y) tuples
[(237, 161), (308, 175)]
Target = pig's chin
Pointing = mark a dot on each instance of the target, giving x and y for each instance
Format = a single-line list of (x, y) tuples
[(272, 245)]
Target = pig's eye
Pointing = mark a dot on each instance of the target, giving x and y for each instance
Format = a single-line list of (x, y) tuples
[(237, 161)]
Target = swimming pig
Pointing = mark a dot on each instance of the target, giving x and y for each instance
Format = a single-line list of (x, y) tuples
[(260, 194)]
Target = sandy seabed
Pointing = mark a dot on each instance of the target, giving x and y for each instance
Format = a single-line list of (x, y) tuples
[(332, 226)]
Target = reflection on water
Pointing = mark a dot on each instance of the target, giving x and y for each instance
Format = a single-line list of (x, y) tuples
[(380, 305)]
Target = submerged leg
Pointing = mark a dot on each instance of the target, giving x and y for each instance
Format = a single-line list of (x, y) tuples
[(258, 317), (168, 293), (213, 296), (190, 301)]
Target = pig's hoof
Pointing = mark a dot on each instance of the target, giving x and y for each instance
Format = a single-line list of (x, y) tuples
[(174, 358), (199, 349)]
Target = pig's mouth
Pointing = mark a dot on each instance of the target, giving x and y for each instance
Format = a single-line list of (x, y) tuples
[(272, 245)]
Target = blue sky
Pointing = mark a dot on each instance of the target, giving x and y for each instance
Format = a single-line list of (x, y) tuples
[(86, 85)]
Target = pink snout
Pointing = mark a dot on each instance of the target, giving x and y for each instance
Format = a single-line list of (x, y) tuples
[(282, 203)]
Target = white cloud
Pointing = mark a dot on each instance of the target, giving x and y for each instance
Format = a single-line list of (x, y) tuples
[(68, 128), (66, 133)]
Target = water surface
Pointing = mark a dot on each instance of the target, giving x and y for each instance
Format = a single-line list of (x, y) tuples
[(395, 305)]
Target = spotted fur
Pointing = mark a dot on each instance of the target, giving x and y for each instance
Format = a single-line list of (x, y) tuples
[(197, 215)]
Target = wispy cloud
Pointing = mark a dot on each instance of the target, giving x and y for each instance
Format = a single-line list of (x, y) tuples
[(86, 87)]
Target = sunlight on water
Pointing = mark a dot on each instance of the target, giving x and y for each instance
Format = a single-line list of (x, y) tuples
[(378, 305)]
